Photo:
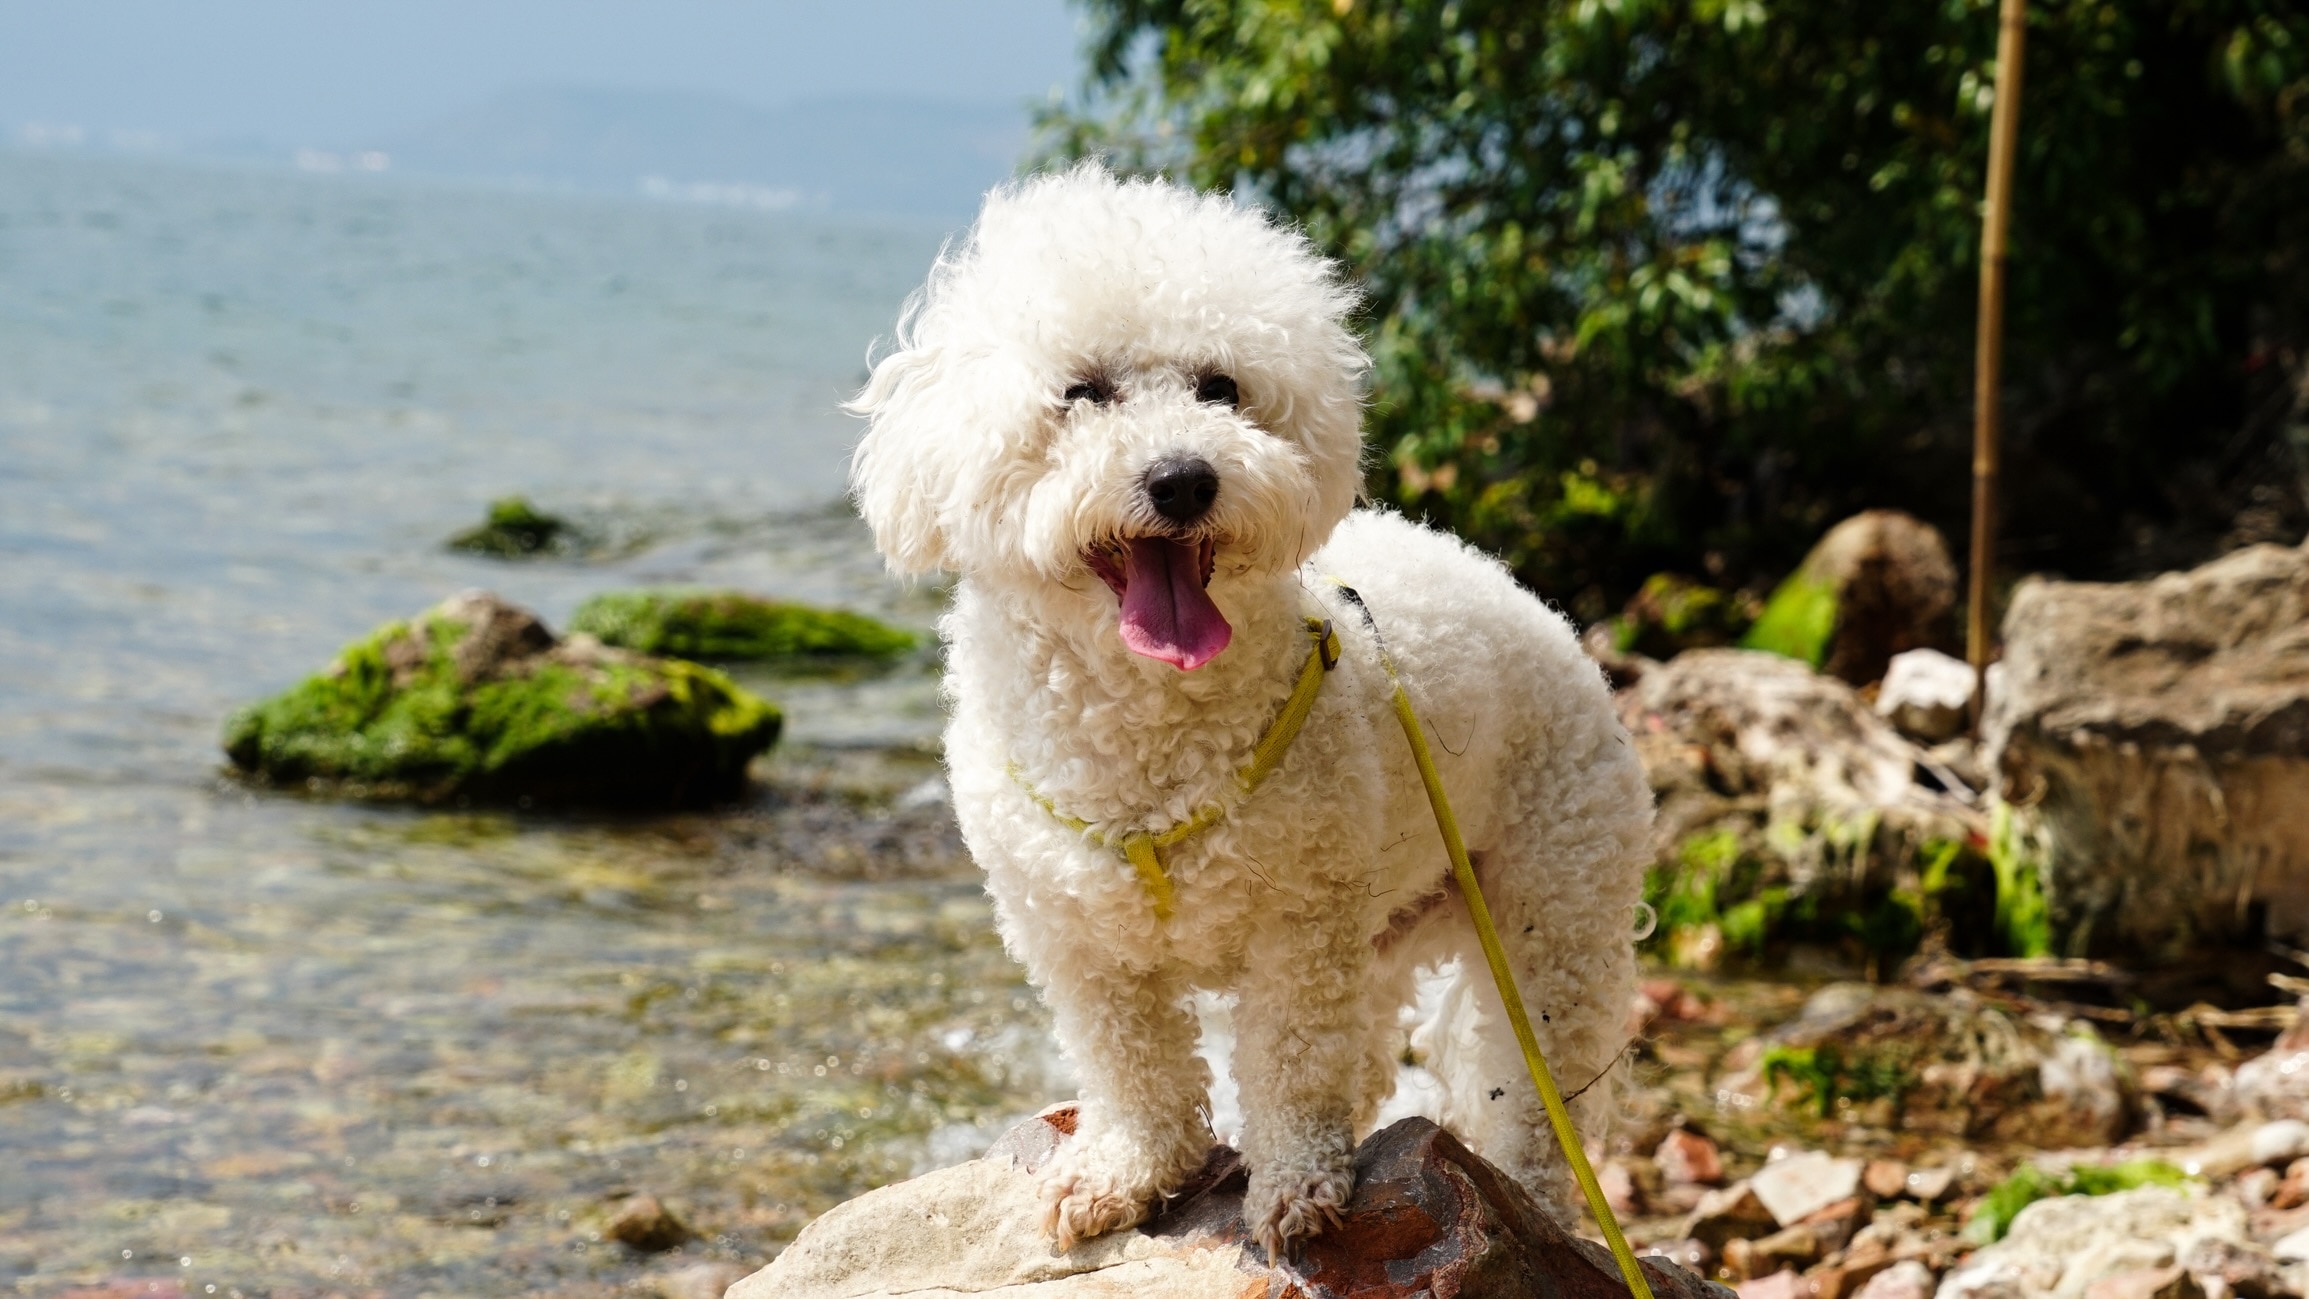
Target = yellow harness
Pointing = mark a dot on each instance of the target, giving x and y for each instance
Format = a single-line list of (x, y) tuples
[(1145, 850)]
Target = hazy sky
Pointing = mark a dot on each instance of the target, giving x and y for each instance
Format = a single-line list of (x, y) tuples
[(335, 71)]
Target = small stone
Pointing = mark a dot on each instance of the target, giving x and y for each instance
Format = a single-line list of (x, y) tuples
[(2280, 1142), (699, 1281), (1844, 1277), (1926, 694), (1797, 1246), (1834, 1225), (643, 1223), (1906, 1279), (1886, 1179), (2293, 1190), (1686, 1158), (1733, 1213), (2293, 1248), (1926, 1185), (2256, 1187), (2146, 1283), (2224, 1268), (1779, 1285), (1795, 1188)]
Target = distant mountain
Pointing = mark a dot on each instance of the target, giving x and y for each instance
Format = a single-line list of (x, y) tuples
[(888, 156)]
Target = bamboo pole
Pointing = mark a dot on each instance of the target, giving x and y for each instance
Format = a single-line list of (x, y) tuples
[(2004, 134)]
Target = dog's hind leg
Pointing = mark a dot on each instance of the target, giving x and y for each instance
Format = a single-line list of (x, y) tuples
[(1573, 955), (1142, 1127)]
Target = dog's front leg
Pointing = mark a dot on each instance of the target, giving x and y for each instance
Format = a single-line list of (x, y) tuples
[(1142, 1127), (1304, 1063)]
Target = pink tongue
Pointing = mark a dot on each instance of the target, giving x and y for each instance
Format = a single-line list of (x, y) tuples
[(1166, 614)]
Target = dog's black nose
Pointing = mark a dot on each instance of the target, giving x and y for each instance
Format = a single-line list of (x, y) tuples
[(1182, 487)]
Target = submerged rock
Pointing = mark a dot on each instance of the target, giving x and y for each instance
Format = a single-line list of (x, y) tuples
[(1879, 583), (476, 699), (643, 1223), (2153, 739), (515, 529), (733, 625), (1428, 1218)]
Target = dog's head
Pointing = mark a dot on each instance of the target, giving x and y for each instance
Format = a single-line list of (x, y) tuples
[(1121, 396)]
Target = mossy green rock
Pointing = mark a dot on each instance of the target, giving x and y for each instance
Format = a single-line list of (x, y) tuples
[(475, 699), (733, 625), (1672, 614), (1878, 584), (515, 529)]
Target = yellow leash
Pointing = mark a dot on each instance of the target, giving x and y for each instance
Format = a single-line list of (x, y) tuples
[(1464, 871)]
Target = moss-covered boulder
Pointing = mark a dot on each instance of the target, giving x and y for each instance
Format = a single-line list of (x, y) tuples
[(476, 699), (733, 625), (1880, 583), (515, 529)]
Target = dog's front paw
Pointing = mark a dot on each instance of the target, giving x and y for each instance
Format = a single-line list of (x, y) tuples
[(1101, 1186), (1282, 1208)]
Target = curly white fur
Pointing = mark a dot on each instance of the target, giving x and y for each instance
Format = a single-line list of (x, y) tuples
[(1317, 900)]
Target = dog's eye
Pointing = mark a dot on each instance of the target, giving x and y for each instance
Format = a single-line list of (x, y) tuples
[(1098, 390), (1220, 389)]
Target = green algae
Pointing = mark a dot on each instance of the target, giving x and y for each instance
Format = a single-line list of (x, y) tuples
[(1798, 620), (1993, 1218), (2022, 917), (734, 625), (409, 712), (515, 529)]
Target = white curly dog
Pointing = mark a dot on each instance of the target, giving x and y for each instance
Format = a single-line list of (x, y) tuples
[(1127, 416)]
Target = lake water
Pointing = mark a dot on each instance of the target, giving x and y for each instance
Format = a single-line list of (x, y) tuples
[(261, 1045)]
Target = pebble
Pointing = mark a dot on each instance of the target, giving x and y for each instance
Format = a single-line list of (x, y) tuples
[(1795, 1188), (1906, 1279), (1926, 1185), (1731, 1213), (643, 1223), (1686, 1158), (2147, 1283), (1779, 1285), (2293, 1248), (1886, 1179), (698, 1281)]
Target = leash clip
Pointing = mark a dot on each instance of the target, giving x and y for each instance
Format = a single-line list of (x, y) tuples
[(1327, 645)]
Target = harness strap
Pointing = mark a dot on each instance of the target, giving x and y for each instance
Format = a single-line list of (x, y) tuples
[(1144, 850)]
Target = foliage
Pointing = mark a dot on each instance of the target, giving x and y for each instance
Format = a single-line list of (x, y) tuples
[(2022, 917), (1828, 1075), (394, 717), (1670, 614), (515, 529), (1674, 284), (1996, 1210), (1798, 621), (733, 625)]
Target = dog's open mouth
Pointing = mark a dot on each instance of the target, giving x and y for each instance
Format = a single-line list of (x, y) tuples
[(1167, 613)]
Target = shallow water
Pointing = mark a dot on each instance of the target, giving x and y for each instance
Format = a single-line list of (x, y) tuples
[(279, 1046)]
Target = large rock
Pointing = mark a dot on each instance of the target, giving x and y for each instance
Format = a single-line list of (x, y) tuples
[(1879, 583), (1780, 790), (2058, 1248), (2153, 741), (1428, 1218), (476, 699)]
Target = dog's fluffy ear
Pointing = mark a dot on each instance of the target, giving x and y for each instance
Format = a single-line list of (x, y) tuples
[(891, 475)]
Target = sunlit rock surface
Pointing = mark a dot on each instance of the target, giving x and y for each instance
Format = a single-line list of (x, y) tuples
[(2153, 739), (1428, 1218)]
